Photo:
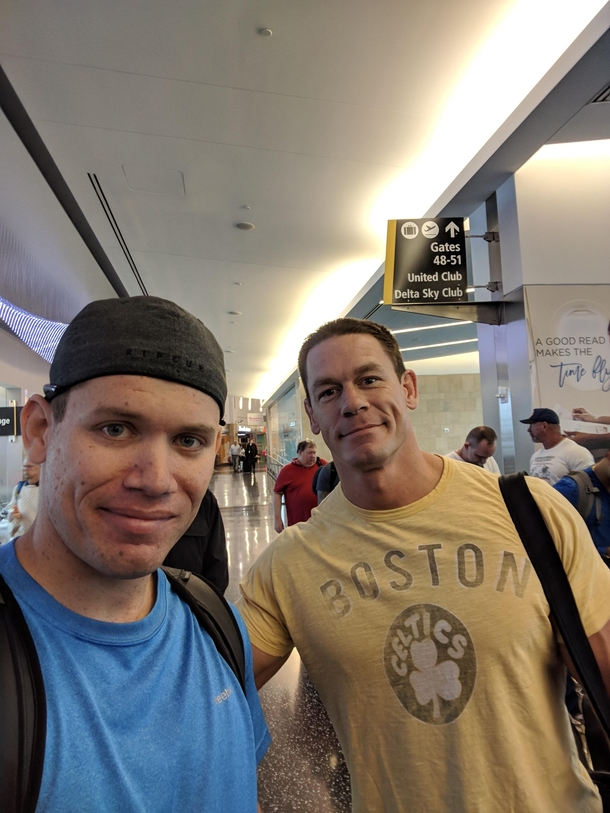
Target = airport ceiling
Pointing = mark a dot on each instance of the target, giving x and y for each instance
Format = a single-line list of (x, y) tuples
[(185, 117)]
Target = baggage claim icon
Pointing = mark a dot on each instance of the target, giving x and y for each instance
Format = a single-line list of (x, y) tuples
[(410, 230)]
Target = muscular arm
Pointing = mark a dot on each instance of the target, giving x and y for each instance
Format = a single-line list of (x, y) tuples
[(265, 666), (600, 644), (277, 513)]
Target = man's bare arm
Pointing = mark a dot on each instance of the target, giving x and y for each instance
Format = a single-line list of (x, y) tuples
[(277, 513), (265, 666), (589, 440), (600, 644)]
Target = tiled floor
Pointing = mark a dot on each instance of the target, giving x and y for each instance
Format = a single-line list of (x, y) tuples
[(303, 771)]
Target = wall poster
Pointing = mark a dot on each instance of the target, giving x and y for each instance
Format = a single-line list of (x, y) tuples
[(569, 350)]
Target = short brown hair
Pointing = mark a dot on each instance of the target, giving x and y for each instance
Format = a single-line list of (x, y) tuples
[(58, 406), (479, 433), (348, 327), (305, 444)]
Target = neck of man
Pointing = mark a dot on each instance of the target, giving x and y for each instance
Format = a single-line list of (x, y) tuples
[(406, 478), (552, 440), (78, 587)]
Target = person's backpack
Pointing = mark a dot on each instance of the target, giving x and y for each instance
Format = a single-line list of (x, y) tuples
[(588, 496), (23, 710), (333, 478)]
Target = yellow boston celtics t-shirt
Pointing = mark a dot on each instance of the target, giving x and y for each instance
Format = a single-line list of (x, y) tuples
[(427, 634)]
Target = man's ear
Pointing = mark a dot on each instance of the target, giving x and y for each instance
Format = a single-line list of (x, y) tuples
[(315, 427), (36, 421), (409, 383), (218, 439)]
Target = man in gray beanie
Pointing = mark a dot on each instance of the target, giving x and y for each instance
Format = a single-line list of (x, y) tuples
[(142, 711)]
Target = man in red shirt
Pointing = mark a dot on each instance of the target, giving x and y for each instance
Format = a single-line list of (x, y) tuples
[(294, 482)]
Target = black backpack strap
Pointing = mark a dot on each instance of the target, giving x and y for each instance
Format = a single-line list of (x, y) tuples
[(23, 710), (543, 555), (215, 616)]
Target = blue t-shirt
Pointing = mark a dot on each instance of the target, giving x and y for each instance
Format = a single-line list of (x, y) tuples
[(143, 717), (599, 532)]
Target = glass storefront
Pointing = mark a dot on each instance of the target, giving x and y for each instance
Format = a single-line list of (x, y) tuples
[(283, 430)]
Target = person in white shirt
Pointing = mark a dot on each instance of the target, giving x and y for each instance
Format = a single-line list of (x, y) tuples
[(235, 451), (559, 455), (23, 507), (478, 449)]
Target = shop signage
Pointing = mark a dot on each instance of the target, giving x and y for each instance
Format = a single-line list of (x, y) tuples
[(9, 420), (256, 419), (569, 349), (425, 262)]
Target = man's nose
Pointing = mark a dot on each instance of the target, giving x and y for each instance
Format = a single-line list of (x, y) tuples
[(151, 470), (353, 400)]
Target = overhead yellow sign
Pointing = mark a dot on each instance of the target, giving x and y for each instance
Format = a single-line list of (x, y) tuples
[(425, 262)]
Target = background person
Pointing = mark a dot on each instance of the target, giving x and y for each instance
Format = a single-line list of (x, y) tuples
[(23, 506), (559, 455), (294, 483), (251, 455), (478, 449), (202, 549), (325, 480), (127, 436), (235, 451), (597, 518)]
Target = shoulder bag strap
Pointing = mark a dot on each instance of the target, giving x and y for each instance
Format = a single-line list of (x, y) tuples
[(23, 710), (214, 615), (588, 495), (543, 555)]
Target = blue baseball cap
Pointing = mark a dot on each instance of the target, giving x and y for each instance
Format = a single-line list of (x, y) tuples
[(542, 414)]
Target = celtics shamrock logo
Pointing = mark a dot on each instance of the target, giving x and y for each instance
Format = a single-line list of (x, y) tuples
[(431, 663)]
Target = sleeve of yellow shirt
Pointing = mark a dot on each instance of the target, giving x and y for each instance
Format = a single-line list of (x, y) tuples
[(260, 609)]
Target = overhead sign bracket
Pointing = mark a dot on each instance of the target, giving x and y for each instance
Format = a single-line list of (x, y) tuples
[(487, 313)]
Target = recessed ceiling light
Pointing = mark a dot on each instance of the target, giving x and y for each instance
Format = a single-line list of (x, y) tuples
[(265, 32), (232, 323), (245, 207), (245, 226), (234, 313), (237, 283), (229, 351)]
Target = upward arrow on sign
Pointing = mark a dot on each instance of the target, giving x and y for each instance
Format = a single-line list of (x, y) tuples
[(453, 229)]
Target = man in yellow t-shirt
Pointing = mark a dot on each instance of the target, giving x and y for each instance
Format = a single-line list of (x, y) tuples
[(416, 611)]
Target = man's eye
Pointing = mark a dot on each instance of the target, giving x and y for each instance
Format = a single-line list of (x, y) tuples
[(327, 393), (114, 430), (189, 442), (370, 379)]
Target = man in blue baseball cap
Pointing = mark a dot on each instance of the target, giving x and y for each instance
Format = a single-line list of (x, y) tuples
[(559, 455)]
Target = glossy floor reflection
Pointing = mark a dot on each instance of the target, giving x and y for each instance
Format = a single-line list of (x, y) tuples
[(304, 770)]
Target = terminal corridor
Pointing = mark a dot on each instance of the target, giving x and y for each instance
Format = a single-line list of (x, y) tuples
[(304, 768)]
